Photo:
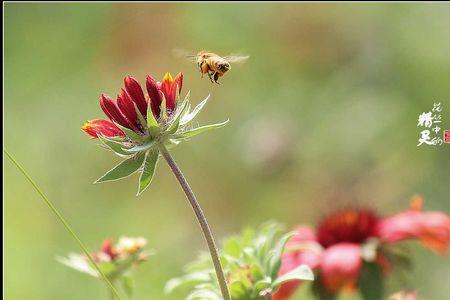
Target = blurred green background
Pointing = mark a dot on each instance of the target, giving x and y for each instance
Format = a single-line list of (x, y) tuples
[(323, 114)]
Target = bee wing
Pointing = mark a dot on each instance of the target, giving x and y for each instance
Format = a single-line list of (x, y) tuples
[(236, 58), (189, 55)]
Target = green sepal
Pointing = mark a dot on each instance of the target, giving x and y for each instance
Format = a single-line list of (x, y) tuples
[(189, 116), (116, 147), (152, 123), (163, 109), (175, 123), (141, 118), (148, 170), (124, 169), (196, 131), (130, 133), (143, 147)]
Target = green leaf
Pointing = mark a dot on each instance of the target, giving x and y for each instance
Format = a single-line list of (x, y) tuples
[(148, 171), (193, 132), (114, 146), (262, 284), (275, 259), (302, 272), (371, 284), (203, 295), (124, 169), (78, 262), (188, 117), (238, 291), (188, 280)]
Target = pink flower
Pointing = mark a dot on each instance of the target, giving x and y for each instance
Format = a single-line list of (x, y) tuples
[(431, 228), (334, 250), (340, 266), (301, 249)]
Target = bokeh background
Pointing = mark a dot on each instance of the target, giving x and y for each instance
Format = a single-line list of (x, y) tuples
[(323, 114)]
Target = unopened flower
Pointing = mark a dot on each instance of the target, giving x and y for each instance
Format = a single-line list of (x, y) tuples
[(128, 245), (139, 124), (251, 262), (116, 260), (404, 295), (354, 244)]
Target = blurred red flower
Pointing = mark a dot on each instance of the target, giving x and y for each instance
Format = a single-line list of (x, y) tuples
[(335, 249)]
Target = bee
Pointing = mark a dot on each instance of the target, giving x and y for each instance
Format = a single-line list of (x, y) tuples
[(214, 65)]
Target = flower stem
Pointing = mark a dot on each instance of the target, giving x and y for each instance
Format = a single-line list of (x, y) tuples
[(201, 220), (64, 223)]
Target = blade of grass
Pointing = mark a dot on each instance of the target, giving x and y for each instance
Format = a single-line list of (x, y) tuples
[(64, 223)]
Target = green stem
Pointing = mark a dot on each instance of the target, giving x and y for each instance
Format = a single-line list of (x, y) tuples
[(201, 220), (64, 223)]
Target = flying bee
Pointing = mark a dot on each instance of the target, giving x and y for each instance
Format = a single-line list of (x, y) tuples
[(214, 65)]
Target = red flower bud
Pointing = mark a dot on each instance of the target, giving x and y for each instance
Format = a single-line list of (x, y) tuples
[(137, 95), (155, 95), (101, 127)]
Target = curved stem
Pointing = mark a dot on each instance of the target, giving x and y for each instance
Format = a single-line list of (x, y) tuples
[(201, 220), (64, 223)]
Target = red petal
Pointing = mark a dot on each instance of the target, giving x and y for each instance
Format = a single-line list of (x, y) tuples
[(108, 248), (155, 95), (110, 108), (101, 127), (340, 266), (137, 95), (171, 100), (126, 106), (179, 81)]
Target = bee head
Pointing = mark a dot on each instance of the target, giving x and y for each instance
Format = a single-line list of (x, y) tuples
[(223, 66)]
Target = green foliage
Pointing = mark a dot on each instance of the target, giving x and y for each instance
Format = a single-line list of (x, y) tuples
[(319, 290), (124, 169), (371, 282), (251, 262), (148, 170)]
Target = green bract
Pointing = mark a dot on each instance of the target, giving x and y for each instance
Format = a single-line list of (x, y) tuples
[(141, 151), (251, 262)]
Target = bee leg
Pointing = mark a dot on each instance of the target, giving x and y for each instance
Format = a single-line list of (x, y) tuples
[(216, 77), (199, 65), (210, 78)]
